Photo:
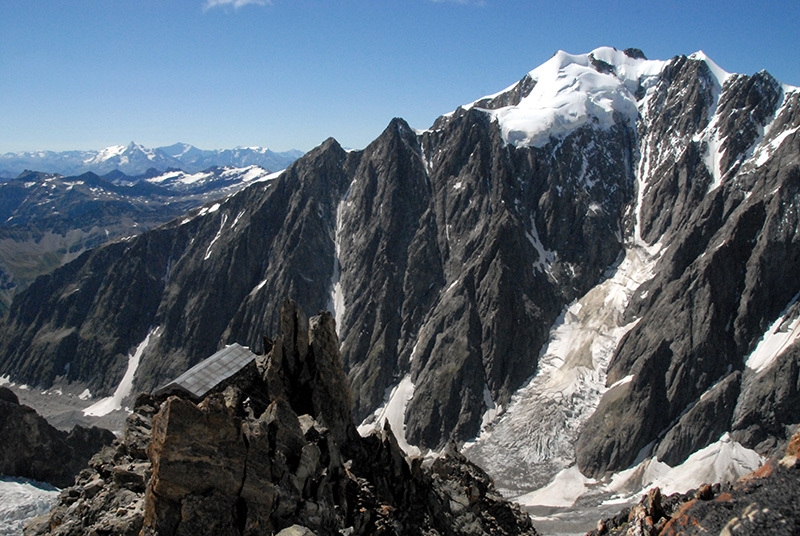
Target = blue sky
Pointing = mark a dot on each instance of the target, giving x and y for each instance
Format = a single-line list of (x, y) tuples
[(86, 74)]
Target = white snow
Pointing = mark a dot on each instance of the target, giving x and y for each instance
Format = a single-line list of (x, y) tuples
[(393, 411), (22, 500), (563, 491), (85, 395), (336, 300), (720, 74), (106, 154), (778, 337), (237, 218), (420, 334), (622, 381), (712, 158), (723, 461), (570, 93), (106, 405), (258, 287), (765, 151), (5, 380), (523, 452), (269, 177), (546, 258), (222, 222), (248, 174), (165, 177)]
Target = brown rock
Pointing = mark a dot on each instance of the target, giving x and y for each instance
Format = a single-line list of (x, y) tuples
[(196, 451)]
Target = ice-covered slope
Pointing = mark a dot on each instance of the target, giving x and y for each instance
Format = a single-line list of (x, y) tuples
[(572, 91), (534, 438), (21, 500)]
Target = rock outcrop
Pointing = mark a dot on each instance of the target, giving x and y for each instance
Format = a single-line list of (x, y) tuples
[(32, 448), (276, 454)]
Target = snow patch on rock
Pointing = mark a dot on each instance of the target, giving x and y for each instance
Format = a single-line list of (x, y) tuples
[(393, 411), (776, 339), (106, 405), (723, 461)]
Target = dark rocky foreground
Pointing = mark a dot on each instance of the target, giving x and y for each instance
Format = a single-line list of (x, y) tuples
[(31, 448), (276, 453), (764, 502)]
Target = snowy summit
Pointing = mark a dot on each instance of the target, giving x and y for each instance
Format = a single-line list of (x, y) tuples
[(571, 91)]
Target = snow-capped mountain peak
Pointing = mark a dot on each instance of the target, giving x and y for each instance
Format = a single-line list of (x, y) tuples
[(106, 154), (719, 73), (570, 91), (135, 159)]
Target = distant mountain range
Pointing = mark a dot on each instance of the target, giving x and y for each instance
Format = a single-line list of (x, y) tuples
[(47, 219), (135, 159)]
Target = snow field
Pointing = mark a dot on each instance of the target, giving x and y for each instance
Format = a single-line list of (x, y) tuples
[(570, 93), (393, 411), (106, 405)]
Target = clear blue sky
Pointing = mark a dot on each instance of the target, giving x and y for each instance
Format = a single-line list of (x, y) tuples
[(86, 74)]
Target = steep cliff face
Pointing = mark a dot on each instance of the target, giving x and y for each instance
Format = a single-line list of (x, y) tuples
[(33, 449), (726, 251), (449, 258)]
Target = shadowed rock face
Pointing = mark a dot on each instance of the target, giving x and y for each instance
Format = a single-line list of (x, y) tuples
[(274, 452), (31, 448)]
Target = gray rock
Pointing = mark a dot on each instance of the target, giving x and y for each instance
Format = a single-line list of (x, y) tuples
[(32, 448), (701, 425), (722, 280), (769, 403)]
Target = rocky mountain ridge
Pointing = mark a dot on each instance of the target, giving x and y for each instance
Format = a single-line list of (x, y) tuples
[(450, 257), (33, 449)]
